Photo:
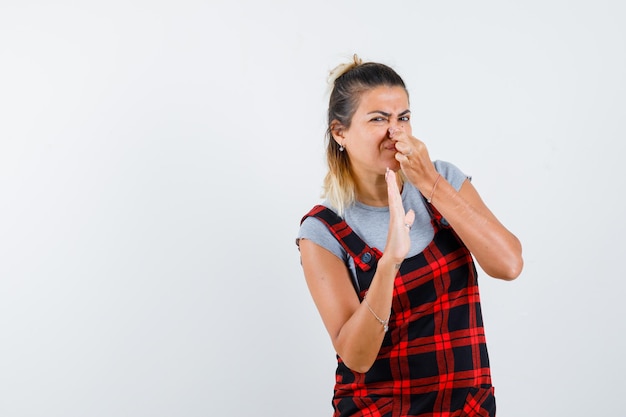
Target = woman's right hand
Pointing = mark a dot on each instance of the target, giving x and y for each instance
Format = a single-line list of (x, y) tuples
[(400, 223), (356, 334)]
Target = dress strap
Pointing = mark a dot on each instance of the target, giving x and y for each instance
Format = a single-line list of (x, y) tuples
[(365, 257)]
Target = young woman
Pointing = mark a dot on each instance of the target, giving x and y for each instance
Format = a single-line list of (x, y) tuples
[(388, 259)]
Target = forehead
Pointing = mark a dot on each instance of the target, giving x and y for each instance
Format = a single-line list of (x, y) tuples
[(385, 98)]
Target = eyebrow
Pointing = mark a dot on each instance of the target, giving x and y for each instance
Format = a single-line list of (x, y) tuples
[(407, 111)]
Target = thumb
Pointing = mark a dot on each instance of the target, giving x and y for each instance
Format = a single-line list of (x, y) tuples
[(409, 217)]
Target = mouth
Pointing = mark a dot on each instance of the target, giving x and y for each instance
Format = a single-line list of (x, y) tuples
[(391, 146)]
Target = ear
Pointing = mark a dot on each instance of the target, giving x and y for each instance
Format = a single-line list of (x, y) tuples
[(337, 131)]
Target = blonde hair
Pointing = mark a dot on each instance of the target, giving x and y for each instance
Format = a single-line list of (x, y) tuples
[(349, 81)]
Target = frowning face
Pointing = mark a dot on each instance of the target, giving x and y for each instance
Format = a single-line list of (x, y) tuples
[(367, 140)]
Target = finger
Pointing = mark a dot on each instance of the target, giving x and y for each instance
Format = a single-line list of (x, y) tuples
[(402, 146), (402, 158), (392, 184), (409, 218), (393, 192)]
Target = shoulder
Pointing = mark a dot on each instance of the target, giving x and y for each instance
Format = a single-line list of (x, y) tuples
[(316, 231)]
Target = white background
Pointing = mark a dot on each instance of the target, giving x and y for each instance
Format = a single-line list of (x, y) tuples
[(156, 158)]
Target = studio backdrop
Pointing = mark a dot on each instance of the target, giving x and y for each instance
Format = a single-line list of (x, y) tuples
[(156, 158)]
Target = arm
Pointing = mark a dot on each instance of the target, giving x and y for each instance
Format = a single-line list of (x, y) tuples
[(497, 250), (355, 333)]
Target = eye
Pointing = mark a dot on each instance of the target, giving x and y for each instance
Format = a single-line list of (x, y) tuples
[(378, 119), (405, 118)]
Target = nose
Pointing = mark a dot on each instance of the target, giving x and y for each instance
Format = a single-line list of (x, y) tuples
[(393, 129)]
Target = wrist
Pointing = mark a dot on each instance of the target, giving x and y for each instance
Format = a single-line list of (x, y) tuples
[(429, 197), (389, 264), (424, 181)]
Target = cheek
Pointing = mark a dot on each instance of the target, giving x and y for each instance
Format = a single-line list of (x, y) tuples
[(372, 133)]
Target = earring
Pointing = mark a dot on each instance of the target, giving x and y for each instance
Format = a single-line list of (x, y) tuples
[(341, 148)]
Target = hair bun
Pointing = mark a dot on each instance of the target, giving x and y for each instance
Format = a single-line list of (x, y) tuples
[(341, 69)]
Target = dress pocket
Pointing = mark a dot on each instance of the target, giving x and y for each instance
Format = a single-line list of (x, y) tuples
[(480, 402)]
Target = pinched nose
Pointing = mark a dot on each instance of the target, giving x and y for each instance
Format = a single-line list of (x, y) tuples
[(393, 130)]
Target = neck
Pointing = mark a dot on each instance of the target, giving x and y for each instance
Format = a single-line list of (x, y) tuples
[(373, 191)]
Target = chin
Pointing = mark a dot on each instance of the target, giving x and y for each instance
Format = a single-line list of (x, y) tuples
[(394, 166)]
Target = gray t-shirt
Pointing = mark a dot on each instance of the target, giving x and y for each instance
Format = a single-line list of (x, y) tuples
[(372, 223)]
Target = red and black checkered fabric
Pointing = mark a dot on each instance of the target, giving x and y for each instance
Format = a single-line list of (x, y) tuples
[(433, 361)]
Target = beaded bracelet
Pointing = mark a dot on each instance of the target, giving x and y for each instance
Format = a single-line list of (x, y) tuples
[(432, 193), (385, 323)]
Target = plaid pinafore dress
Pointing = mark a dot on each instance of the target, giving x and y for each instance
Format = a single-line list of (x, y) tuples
[(433, 360)]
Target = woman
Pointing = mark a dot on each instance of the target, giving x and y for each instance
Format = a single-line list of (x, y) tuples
[(388, 260)]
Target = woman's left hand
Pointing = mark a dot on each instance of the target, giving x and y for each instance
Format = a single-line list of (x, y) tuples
[(414, 160), (496, 249)]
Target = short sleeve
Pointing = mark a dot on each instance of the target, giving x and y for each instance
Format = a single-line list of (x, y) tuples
[(317, 232), (451, 173)]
